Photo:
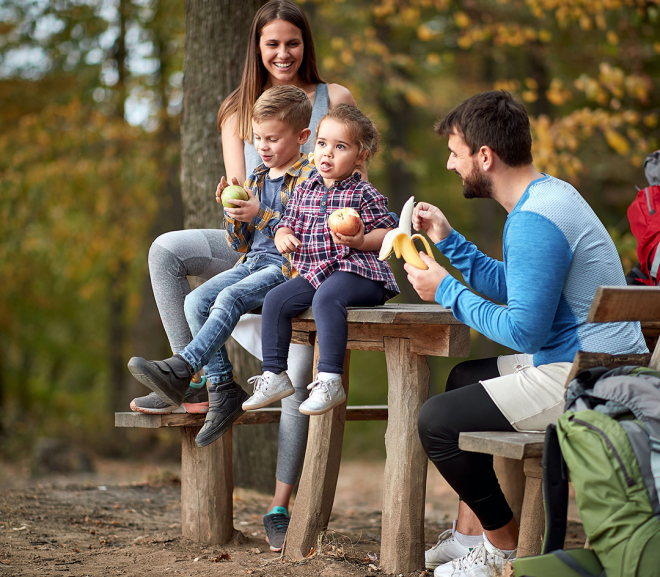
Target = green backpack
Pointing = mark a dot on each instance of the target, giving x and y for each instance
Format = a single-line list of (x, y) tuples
[(608, 439)]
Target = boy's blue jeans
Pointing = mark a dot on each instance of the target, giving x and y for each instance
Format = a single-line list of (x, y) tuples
[(213, 309)]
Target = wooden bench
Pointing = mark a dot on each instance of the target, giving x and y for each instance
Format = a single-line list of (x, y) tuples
[(611, 304), (207, 483), (407, 333)]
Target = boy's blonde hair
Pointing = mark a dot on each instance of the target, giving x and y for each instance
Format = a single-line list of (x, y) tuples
[(362, 130), (286, 103)]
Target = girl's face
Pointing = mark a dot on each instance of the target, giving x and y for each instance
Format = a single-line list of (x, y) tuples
[(281, 48), (335, 153)]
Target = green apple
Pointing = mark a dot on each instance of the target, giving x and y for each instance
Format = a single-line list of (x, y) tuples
[(233, 192)]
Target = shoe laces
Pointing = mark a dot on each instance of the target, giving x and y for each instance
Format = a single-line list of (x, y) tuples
[(260, 383), (447, 535), (319, 387), (279, 520), (478, 556)]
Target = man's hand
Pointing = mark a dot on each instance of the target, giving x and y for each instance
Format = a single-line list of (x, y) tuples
[(247, 209), (286, 243), (355, 241), (426, 282), (430, 219)]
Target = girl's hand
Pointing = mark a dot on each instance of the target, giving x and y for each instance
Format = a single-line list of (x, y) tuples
[(286, 243), (247, 209), (356, 241)]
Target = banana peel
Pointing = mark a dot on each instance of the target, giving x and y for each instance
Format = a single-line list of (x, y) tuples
[(403, 242)]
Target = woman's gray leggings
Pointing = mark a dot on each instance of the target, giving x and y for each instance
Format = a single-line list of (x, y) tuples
[(205, 253)]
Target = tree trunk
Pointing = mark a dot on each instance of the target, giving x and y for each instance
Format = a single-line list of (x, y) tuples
[(216, 34)]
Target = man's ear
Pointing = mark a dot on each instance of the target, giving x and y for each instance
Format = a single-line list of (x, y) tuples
[(486, 158), (304, 136)]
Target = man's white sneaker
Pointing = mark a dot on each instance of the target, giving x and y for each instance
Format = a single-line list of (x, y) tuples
[(485, 560), (325, 395), (446, 549), (268, 388)]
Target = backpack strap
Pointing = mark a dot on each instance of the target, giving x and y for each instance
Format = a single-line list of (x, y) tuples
[(555, 491), (566, 559), (655, 460)]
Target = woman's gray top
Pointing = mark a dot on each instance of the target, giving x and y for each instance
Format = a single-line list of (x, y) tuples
[(320, 108)]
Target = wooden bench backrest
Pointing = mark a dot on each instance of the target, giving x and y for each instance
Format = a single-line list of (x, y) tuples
[(621, 304)]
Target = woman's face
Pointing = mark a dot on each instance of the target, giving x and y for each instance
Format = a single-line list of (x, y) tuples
[(281, 48)]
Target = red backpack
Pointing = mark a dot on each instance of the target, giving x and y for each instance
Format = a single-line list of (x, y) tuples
[(644, 217)]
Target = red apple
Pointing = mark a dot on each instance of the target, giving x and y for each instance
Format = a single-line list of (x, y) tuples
[(344, 221)]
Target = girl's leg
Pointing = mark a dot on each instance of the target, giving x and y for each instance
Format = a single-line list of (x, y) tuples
[(280, 306), (339, 290), (172, 257)]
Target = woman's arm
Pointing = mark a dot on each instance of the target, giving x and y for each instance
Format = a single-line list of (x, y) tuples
[(233, 151)]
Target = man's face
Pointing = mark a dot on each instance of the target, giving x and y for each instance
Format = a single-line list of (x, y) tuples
[(476, 183)]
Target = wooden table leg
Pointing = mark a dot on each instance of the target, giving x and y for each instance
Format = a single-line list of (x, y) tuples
[(207, 487), (404, 486), (532, 517), (318, 483)]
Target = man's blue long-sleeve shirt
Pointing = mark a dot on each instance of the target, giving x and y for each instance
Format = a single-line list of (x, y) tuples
[(556, 253)]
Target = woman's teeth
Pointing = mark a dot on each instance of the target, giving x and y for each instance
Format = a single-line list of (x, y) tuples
[(281, 65)]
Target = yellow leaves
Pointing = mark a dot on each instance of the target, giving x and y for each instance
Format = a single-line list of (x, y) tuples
[(612, 38), (462, 19), (433, 59), (617, 142), (416, 97), (557, 94), (651, 120), (425, 33)]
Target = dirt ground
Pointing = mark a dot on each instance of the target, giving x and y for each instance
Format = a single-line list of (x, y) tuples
[(126, 520)]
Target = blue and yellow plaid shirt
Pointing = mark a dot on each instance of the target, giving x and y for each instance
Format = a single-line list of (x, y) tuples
[(241, 234)]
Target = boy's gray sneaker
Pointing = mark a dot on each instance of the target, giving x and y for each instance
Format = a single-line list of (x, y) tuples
[(195, 401), (169, 379), (445, 550), (325, 395), (268, 388), (225, 406), (276, 523)]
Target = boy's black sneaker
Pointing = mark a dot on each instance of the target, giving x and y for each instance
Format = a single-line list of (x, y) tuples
[(169, 379), (276, 523), (225, 406)]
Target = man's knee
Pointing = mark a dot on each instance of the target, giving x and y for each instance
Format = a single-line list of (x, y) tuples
[(437, 428)]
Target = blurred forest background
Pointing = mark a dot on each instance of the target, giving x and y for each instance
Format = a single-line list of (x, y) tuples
[(91, 97)]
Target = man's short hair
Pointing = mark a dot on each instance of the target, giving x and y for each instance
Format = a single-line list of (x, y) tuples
[(494, 119), (285, 103)]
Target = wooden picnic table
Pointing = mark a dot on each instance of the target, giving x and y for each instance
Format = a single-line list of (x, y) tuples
[(407, 333)]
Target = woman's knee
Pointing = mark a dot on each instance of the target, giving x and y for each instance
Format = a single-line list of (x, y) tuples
[(436, 427)]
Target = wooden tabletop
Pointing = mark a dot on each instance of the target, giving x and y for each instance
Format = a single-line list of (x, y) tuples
[(397, 313)]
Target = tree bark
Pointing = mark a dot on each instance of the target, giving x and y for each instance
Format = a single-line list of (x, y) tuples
[(216, 35)]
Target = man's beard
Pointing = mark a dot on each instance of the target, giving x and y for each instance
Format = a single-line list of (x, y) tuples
[(478, 184)]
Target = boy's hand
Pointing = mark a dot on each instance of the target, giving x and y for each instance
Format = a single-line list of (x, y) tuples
[(430, 219), (221, 186), (355, 241), (247, 209), (286, 243)]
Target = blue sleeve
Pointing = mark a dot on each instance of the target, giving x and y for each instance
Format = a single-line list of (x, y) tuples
[(537, 257), (482, 273)]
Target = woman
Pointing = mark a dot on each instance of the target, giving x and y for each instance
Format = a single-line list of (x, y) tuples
[(280, 51)]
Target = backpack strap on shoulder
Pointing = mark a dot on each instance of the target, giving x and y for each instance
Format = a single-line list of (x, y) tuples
[(555, 492)]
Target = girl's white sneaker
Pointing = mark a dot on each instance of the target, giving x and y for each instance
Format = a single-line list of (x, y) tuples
[(325, 395), (268, 388)]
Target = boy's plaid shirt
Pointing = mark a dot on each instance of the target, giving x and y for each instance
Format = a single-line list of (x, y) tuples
[(318, 256), (241, 234)]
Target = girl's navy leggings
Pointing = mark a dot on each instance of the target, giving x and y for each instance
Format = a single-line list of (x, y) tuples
[(328, 302), (465, 406)]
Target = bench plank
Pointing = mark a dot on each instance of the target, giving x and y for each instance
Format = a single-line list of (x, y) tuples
[(395, 313), (503, 444), (629, 303), (258, 417)]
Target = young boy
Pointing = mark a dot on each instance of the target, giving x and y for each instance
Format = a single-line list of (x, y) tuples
[(280, 119)]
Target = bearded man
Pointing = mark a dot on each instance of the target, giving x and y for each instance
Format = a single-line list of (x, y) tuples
[(556, 253)]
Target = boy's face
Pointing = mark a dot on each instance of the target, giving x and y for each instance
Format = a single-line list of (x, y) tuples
[(278, 144)]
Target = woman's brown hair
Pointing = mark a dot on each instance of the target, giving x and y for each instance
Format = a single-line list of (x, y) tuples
[(241, 100)]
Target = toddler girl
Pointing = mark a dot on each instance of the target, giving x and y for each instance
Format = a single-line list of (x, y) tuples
[(335, 271)]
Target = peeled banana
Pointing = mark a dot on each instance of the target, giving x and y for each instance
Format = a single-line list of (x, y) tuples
[(401, 240)]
